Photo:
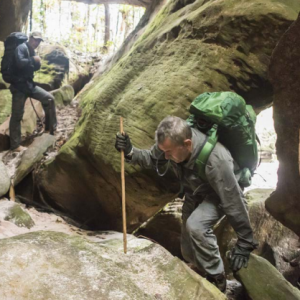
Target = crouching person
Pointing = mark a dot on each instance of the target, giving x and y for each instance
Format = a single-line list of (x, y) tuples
[(205, 202)]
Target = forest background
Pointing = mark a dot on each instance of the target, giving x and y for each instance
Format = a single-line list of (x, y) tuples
[(95, 28)]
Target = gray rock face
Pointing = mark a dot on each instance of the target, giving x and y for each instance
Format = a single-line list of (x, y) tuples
[(4, 180), (56, 266), (284, 204)]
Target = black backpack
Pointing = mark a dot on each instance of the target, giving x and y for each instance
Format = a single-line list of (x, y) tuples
[(8, 61)]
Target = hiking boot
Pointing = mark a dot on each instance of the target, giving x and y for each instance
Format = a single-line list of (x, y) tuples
[(49, 131), (19, 149), (218, 280), (195, 269)]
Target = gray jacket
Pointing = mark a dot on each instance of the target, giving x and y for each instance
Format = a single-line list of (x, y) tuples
[(222, 182)]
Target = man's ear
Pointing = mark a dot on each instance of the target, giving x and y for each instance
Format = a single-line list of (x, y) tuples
[(188, 144)]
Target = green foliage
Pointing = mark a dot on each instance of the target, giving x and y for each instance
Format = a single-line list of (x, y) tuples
[(81, 27)]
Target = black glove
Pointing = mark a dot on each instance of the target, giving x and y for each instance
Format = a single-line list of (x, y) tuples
[(239, 257), (123, 143)]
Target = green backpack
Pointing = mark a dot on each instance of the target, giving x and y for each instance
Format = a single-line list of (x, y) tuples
[(225, 117)]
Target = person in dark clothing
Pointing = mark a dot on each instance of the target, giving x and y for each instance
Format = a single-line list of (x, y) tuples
[(25, 64)]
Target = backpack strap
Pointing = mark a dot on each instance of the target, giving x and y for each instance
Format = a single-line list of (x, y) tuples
[(212, 138)]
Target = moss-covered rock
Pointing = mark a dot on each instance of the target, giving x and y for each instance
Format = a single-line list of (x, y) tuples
[(55, 64), (262, 281), (52, 265), (14, 213), (3, 84), (5, 104), (64, 95), (184, 51), (4, 180)]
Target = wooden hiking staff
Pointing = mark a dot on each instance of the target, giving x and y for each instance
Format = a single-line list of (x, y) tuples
[(123, 192)]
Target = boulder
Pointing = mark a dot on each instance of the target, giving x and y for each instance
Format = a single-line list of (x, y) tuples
[(55, 64), (284, 203), (63, 96), (187, 49), (5, 104), (52, 265), (4, 179), (28, 123), (262, 281), (13, 212)]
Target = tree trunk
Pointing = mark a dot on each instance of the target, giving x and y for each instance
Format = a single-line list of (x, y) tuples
[(31, 15), (107, 25), (96, 28), (59, 18), (117, 31), (87, 29)]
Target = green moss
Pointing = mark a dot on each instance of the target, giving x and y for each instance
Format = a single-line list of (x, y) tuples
[(5, 105), (46, 74), (19, 217), (269, 284)]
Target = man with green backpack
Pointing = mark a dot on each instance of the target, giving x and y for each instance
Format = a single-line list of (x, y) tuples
[(211, 179)]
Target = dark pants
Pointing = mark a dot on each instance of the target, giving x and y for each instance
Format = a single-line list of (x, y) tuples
[(18, 103)]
